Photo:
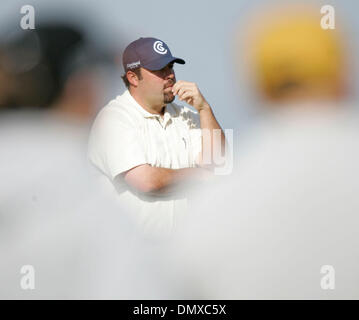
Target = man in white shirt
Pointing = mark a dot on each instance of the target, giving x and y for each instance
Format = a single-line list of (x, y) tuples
[(146, 145)]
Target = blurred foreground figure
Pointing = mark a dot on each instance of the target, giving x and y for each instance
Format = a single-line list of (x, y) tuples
[(53, 218), (51, 67), (286, 224)]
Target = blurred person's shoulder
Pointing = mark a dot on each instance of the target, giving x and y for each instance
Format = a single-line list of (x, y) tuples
[(297, 138), (302, 121)]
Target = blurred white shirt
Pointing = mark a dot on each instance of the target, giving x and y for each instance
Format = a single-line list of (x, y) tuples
[(55, 219), (290, 209)]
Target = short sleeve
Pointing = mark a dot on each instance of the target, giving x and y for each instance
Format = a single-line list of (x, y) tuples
[(115, 144)]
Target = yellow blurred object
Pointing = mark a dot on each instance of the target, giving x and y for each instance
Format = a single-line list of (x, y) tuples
[(290, 50)]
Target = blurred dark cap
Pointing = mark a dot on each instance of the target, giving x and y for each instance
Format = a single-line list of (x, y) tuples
[(41, 60)]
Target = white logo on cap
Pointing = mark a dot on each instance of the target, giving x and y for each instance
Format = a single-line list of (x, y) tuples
[(133, 65), (158, 47)]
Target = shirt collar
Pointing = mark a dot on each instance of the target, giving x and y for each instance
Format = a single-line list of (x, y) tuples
[(169, 110)]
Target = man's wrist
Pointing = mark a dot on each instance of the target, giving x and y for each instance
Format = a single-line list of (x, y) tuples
[(205, 107)]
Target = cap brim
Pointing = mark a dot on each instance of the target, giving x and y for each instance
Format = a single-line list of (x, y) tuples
[(161, 63)]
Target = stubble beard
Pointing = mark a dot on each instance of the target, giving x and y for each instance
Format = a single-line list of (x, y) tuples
[(168, 98)]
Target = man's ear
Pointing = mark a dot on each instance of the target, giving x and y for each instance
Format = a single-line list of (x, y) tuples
[(132, 78)]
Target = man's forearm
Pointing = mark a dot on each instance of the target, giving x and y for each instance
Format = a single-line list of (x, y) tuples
[(189, 92), (156, 180), (169, 180), (210, 124)]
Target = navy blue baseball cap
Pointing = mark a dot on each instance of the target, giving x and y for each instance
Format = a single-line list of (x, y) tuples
[(149, 53)]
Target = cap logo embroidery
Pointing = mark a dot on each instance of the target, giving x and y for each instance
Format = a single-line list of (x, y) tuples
[(133, 65), (158, 47)]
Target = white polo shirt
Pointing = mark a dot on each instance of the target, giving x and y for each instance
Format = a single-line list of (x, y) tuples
[(124, 135)]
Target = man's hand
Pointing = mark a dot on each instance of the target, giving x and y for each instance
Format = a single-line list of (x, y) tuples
[(189, 92)]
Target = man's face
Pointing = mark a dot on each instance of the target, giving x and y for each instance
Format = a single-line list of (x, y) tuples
[(156, 86)]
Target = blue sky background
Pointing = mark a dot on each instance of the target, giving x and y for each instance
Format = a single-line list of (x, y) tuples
[(200, 31)]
